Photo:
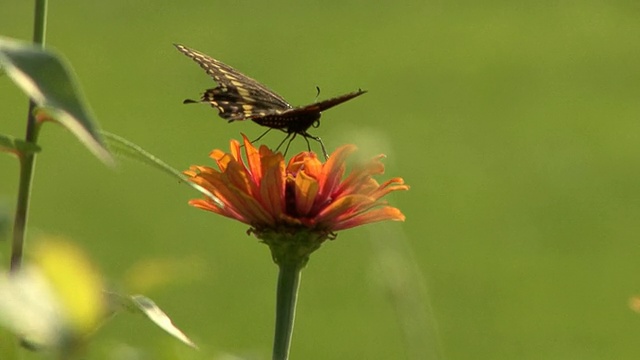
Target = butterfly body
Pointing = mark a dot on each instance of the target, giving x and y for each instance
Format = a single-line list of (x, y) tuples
[(239, 97), (289, 123)]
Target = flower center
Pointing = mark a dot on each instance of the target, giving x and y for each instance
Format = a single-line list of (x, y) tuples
[(291, 208)]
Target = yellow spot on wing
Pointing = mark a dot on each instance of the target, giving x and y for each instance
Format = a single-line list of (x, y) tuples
[(248, 110), (228, 75), (244, 93)]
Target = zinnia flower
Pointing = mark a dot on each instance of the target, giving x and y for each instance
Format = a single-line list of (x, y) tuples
[(305, 194), (293, 208)]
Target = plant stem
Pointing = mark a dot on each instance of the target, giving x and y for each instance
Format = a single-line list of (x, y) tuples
[(287, 295), (27, 159), (40, 22)]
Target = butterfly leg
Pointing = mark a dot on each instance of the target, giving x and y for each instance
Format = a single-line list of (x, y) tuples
[(316, 138), (289, 143), (308, 145), (261, 136), (258, 138), (283, 140)]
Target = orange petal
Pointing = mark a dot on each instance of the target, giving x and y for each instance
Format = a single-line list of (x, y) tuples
[(333, 170), (217, 154), (296, 163), (272, 184), (236, 201), (234, 146), (312, 166), (223, 161), (253, 160), (306, 191), (374, 215), (395, 184), (359, 175), (342, 206), (238, 177), (254, 210), (205, 205)]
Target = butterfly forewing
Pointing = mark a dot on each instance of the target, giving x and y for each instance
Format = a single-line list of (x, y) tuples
[(237, 96), (329, 103)]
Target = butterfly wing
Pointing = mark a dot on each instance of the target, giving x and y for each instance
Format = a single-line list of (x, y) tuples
[(326, 104), (237, 97), (298, 120)]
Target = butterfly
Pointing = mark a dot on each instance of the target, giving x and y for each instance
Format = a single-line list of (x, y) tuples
[(239, 97)]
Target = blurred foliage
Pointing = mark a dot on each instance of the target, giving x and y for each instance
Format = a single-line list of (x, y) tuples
[(55, 301), (516, 125), (46, 78)]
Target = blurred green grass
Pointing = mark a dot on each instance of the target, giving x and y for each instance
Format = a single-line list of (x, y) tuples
[(516, 124)]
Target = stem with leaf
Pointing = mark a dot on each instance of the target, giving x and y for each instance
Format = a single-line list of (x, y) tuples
[(28, 158)]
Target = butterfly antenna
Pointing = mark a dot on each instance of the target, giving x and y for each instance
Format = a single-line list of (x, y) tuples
[(189, 101), (317, 93)]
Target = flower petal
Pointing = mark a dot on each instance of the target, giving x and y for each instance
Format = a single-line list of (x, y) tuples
[(333, 170), (253, 160), (235, 150), (395, 184), (228, 212), (272, 184), (239, 177), (360, 176), (313, 166), (342, 206), (374, 215), (306, 191)]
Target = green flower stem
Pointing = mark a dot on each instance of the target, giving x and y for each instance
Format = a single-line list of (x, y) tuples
[(290, 249), (287, 296), (28, 159)]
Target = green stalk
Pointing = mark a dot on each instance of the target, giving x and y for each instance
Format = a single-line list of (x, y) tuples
[(287, 296), (291, 251), (40, 22), (28, 159)]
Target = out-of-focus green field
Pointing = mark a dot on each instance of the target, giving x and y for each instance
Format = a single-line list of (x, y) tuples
[(517, 125)]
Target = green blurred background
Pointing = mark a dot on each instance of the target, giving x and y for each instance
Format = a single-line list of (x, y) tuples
[(515, 123)]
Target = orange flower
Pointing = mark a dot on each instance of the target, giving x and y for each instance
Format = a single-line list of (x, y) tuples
[(263, 192)]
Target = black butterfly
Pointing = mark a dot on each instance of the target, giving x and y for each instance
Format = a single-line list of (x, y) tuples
[(239, 97)]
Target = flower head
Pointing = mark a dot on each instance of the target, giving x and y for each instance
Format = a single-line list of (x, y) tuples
[(262, 191)]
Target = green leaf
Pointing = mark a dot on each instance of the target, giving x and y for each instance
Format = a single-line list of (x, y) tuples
[(47, 79), (17, 146), (143, 305), (125, 148)]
